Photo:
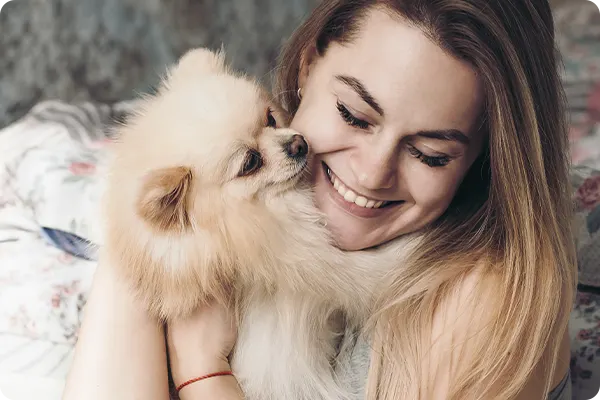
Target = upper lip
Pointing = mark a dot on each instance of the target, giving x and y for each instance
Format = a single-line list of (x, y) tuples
[(327, 168)]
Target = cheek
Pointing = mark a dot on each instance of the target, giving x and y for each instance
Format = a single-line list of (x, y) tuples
[(318, 121), (239, 189), (433, 190)]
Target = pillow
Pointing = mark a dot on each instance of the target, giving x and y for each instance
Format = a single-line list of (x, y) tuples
[(586, 185)]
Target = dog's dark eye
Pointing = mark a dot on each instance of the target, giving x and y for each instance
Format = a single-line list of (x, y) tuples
[(252, 163), (271, 121)]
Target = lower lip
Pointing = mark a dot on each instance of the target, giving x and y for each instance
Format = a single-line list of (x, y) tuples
[(352, 208)]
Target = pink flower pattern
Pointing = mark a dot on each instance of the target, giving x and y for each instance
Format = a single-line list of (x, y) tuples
[(593, 104), (588, 194), (82, 168)]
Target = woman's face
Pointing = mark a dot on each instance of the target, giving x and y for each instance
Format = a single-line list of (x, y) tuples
[(393, 122)]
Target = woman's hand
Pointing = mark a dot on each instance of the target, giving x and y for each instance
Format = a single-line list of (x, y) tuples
[(200, 345)]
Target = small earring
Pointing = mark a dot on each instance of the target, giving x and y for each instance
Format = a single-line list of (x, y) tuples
[(299, 93)]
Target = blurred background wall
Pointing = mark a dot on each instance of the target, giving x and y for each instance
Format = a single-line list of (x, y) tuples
[(106, 50)]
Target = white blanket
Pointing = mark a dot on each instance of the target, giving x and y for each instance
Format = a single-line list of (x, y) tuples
[(49, 178)]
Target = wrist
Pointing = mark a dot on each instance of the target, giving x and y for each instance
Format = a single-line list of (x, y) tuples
[(223, 387), (198, 367), (189, 366)]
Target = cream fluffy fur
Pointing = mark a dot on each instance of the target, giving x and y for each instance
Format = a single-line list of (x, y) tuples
[(186, 225)]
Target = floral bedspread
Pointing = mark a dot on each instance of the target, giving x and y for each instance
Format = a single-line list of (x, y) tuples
[(50, 181), (578, 38)]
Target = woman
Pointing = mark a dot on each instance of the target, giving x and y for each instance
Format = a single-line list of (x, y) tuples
[(443, 117)]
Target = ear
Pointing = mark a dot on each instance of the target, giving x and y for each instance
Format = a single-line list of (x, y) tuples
[(306, 60), (164, 200)]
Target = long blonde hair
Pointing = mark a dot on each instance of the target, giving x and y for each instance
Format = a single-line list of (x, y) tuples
[(512, 214)]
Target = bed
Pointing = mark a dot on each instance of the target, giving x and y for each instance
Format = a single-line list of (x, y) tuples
[(51, 184), (50, 177)]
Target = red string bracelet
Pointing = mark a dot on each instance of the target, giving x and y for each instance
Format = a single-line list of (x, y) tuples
[(184, 384)]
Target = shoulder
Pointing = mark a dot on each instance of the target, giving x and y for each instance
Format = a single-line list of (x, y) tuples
[(463, 322), (462, 319), (466, 311), (469, 306)]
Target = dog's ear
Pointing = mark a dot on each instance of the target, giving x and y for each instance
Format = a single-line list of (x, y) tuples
[(193, 64), (164, 200), (202, 61)]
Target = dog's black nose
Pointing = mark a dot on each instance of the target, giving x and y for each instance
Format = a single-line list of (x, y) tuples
[(296, 147)]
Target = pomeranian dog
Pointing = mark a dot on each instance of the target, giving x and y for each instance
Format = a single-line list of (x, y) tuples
[(207, 199)]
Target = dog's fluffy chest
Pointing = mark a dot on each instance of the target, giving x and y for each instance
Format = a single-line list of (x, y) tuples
[(285, 349)]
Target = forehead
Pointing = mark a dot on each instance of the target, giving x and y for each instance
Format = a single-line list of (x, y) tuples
[(412, 78)]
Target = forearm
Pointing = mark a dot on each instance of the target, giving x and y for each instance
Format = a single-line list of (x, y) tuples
[(121, 352), (199, 345)]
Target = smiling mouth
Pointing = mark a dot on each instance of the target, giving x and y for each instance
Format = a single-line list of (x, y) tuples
[(352, 197)]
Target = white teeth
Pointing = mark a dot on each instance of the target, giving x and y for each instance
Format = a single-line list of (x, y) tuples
[(361, 201), (352, 197)]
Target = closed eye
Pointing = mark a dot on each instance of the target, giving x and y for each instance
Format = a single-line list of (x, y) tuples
[(431, 161), (349, 118)]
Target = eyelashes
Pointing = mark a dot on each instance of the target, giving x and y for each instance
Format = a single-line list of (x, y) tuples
[(437, 161), (349, 118)]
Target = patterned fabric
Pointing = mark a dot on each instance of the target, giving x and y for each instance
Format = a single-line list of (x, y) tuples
[(586, 182), (564, 390), (32, 369), (50, 170), (584, 330)]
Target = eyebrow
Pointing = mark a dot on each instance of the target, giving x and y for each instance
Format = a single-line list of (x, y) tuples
[(453, 135), (361, 90)]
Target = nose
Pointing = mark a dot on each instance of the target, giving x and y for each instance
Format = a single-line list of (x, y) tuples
[(374, 170), (296, 147)]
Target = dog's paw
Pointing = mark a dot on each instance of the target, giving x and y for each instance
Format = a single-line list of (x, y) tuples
[(173, 304)]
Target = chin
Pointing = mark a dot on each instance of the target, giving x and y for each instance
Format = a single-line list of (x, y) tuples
[(347, 231), (354, 239), (350, 244)]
